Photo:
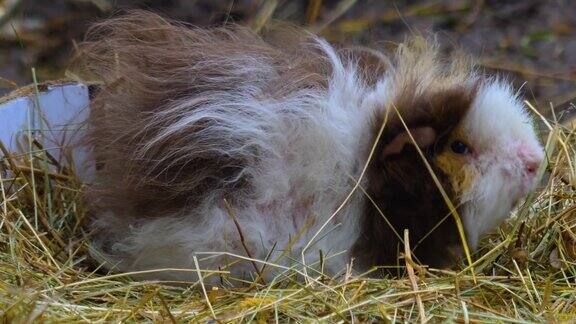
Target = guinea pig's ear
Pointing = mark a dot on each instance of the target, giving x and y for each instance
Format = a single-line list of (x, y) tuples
[(423, 137)]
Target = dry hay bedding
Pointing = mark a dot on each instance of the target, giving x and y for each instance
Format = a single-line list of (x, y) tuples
[(523, 272)]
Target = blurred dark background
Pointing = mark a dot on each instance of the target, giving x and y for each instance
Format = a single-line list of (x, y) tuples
[(531, 41)]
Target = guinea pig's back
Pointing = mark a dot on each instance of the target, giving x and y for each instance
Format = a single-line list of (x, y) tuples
[(183, 110), (193, 128)]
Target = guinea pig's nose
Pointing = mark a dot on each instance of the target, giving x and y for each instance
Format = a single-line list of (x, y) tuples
[(530, 159), (531, 166)]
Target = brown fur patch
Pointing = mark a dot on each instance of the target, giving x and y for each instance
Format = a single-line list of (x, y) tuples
[(403, 188)]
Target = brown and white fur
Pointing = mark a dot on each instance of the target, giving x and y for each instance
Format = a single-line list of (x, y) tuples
[(196, 128)]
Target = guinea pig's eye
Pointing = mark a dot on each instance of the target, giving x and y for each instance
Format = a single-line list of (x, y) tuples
[(459, 148)]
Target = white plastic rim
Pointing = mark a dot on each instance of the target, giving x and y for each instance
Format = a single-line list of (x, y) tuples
[(56, 116)]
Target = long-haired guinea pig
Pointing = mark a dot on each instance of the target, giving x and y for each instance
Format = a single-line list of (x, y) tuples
[(222, 140)]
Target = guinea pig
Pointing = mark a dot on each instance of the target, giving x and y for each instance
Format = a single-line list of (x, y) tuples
[(280, 147)]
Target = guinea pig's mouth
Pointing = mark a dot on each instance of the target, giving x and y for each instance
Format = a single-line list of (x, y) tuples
[(529, 184), (526, 187)]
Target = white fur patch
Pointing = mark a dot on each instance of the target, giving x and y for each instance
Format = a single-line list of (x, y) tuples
[(497, 126)]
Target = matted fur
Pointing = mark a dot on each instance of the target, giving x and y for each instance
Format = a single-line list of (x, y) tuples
[(279, 126)]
